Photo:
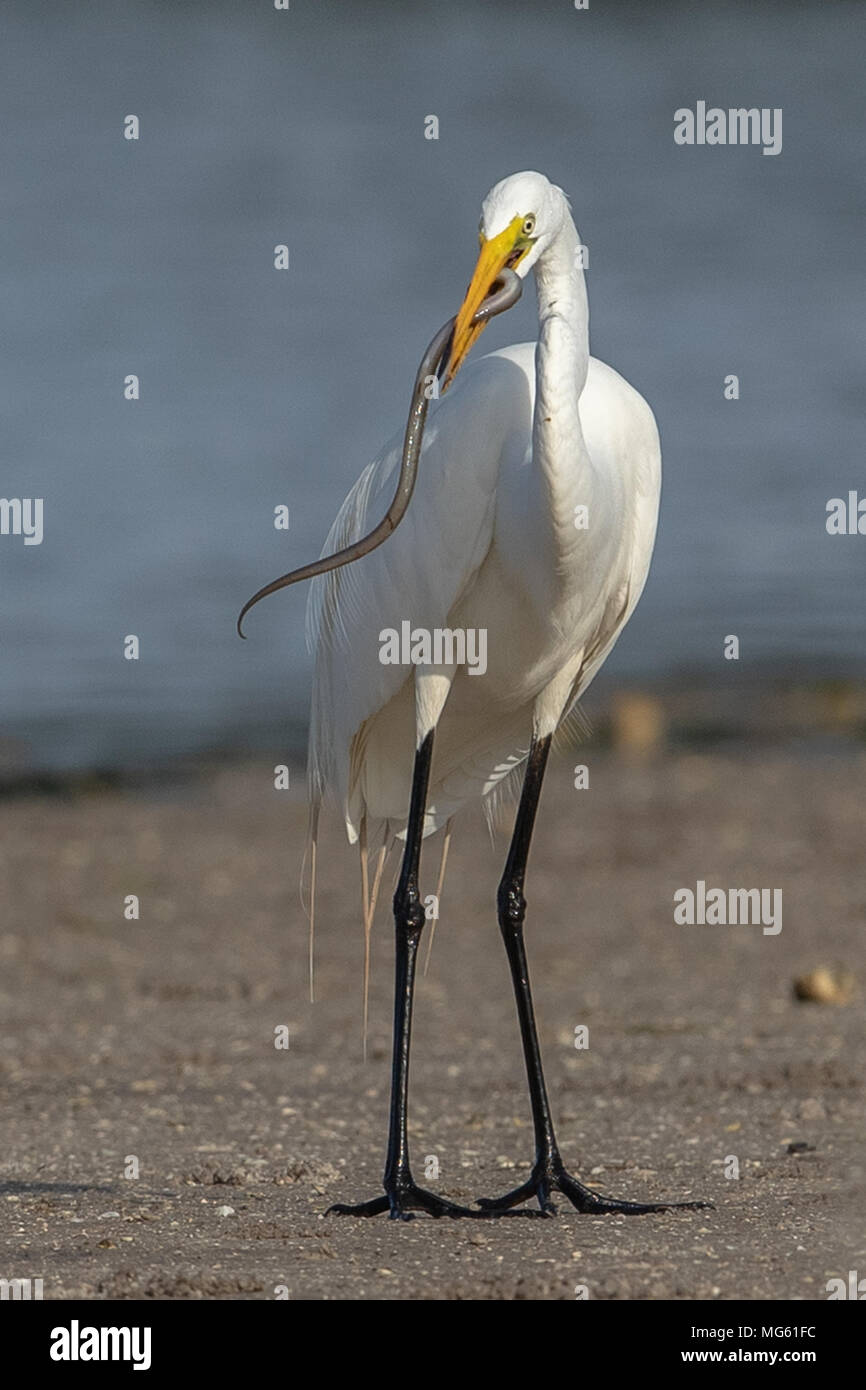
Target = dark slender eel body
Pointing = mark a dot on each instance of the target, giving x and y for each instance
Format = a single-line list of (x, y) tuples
[(508, 291)]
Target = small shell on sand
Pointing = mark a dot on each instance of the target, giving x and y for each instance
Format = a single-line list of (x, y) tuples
[(825, 985)]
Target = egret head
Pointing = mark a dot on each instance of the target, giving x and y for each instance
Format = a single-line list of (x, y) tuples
[(520, 217)]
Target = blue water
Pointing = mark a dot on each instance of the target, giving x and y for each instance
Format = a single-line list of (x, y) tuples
[(260, 388)]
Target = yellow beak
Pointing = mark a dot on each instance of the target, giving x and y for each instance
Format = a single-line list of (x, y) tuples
[(501, 250)]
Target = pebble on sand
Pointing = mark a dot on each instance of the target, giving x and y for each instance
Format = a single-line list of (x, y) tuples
[(825, 986)]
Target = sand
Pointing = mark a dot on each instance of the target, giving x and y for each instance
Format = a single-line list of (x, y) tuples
[(158, 1144)]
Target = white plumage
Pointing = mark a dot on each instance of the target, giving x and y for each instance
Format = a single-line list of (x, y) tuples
[(525, 437), (532, 520)]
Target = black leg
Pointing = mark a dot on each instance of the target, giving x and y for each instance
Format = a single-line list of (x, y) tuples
[(548, 1173), (402, 1195)]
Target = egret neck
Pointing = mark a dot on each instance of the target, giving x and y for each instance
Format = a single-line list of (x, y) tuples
[(560, 455)]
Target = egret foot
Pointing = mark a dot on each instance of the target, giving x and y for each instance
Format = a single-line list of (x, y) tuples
[(401, 1201), (550, 1176)]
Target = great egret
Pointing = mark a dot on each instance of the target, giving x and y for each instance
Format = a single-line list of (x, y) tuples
[(533, 521)]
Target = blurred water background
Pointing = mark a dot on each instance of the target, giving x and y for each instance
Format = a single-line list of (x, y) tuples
[(258, 388)]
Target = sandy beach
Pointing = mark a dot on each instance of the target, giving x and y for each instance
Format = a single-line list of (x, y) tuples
[(159, 1145)]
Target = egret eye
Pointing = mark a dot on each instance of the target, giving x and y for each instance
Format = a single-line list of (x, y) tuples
[(529, 224)]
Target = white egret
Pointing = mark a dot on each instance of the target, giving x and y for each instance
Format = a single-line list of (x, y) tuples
[(532, 521)]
